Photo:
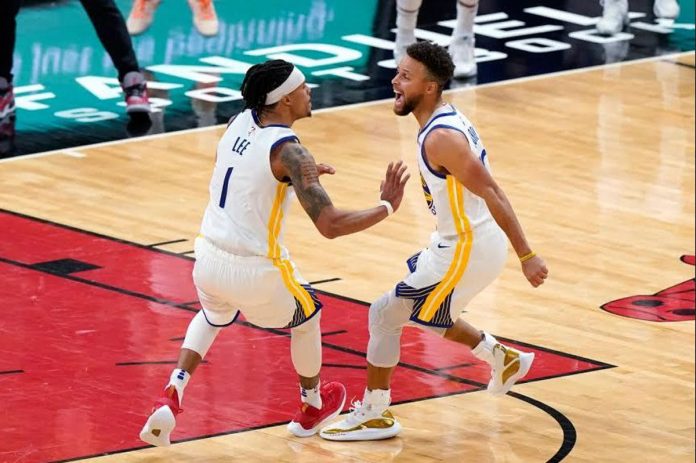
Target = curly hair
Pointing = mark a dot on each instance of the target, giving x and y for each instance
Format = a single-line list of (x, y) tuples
[(435, 59), (261, 79)]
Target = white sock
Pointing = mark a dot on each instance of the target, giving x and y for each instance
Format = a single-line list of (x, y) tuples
[(407, 15), (466, 13), (484, 349), (377, 399), (311, 396), (179, 379)]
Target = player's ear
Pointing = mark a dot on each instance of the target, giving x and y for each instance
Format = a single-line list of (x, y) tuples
[(285, 100), (431, 87)]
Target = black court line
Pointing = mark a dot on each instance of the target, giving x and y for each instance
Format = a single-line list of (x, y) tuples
[(331, 333), (185, 252), (328, 280), (87, 232), (99, 285), (11, 372), (553, 351), (228, 433), (341, 365), (569, 433), (686, 65), (166, 242), (157, 362)]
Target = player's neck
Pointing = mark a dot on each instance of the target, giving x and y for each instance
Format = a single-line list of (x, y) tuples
[(425, 111), (276, 118)]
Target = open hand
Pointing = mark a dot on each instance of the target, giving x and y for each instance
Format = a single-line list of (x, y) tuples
[(392, 187)]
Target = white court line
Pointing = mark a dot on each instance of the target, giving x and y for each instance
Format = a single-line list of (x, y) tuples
[(364, 103), (74, 153)]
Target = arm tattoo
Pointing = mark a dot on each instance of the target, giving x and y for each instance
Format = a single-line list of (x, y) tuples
[(303, 173)]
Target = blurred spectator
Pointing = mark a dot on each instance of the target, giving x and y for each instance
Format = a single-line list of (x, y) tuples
[(143, 11)]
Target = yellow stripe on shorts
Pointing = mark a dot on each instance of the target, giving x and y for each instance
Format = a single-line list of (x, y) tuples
[(461, 253), (285, 266)]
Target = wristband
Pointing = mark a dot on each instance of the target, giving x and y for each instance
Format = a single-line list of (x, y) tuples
[(387, 204), (526, 257)]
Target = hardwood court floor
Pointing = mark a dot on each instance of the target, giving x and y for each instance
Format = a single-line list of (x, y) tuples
[(599, 165)]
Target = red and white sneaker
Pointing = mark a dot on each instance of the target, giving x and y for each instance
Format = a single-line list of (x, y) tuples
[(309, 420), (7, 101), (141, 16), (204, 17), (161, 422), (135, 90)]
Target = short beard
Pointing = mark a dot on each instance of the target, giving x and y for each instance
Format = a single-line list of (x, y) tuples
[(408, 107)]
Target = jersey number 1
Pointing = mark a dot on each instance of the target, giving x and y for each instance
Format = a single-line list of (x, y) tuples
[(223, 196)]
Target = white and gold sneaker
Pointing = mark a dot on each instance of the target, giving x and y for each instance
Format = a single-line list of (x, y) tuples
[(364, 422), (508, 365)]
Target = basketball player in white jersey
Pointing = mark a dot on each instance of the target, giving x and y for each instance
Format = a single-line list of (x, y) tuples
[(462, 44), (241, 263), (465, 254)]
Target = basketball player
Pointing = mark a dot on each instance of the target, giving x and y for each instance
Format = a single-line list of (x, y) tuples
[(241, 263), (615, 14), (462, 45), (466, 253)]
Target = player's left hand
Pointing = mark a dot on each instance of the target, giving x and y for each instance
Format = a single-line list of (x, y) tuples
[(535, 270), (325, 169)]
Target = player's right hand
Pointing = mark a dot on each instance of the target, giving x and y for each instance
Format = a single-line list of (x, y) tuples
[(392, 187), (535, 270)]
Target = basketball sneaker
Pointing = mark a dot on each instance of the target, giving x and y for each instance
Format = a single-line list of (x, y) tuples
[(614, 17), (308, 419), (161, 422), (135, 90), (507, 364), (7, 101), (667, 9), (364, 422), (462, 52), (204, 16), (141, 16)]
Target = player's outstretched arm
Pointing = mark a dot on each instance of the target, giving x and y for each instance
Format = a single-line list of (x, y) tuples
[(295, 162), (449, 150)]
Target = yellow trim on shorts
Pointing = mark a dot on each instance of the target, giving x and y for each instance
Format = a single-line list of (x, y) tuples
[(461, 253), (275, 222)]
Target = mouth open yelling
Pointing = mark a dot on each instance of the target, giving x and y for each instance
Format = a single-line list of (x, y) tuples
[(398, 99)]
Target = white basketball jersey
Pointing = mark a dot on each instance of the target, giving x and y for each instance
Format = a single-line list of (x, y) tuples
[(247, 205), (459, 212)]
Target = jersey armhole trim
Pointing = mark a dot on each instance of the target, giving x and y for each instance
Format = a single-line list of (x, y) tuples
[(423, 155)]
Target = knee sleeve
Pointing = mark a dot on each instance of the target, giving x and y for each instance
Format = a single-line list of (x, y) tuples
[(200, 335), (305, 347), (388, 315)]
